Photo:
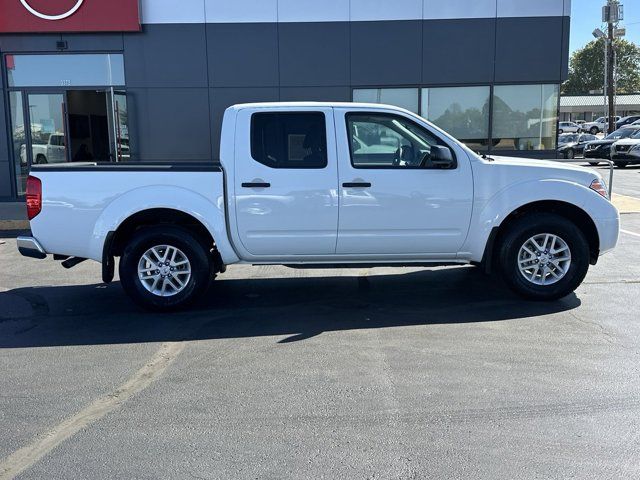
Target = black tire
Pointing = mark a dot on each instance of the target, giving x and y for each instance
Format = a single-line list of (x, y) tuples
[(41, 159), (195, 251), (594, 130), (570, 154), (539, 223), (560, 131), (621, 164), (594, 164)]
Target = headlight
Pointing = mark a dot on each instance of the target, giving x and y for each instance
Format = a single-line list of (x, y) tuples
[(599, 186), (635, 147)]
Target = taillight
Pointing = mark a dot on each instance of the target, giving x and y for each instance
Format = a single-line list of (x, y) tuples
[(34, 196)]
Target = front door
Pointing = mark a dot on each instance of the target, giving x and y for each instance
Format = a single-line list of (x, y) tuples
[(285, 182), (392, 200)]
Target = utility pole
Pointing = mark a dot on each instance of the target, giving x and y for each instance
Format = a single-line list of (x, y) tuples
[(611, 15)]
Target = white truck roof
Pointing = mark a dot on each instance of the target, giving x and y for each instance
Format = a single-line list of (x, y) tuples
[(377, 106)]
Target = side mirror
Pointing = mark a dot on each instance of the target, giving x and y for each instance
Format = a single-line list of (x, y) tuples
[(441, 157)]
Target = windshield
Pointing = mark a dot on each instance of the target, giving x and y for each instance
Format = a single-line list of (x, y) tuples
[(622, 133), (568, 138)]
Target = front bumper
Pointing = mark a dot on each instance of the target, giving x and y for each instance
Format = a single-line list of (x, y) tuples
[(625, 156), (602, 153), (30, 247), (608, 232)]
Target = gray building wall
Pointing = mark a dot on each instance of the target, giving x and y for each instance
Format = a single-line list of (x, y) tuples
[(181, 77)]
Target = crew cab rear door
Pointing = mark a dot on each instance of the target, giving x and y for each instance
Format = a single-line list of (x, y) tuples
[(286, 181), (393, 200)]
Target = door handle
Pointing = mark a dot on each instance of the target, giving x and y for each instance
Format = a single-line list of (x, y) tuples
[(256, 185), (356, 185)]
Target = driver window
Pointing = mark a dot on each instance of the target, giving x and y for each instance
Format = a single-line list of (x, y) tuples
[(388, 141)]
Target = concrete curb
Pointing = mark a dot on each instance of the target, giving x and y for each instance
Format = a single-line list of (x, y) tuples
[(14, 225)]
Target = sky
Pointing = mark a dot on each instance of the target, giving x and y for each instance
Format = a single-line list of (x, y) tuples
[(587, 15)]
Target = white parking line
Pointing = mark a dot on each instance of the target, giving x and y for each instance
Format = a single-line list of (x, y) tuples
[(630, 233), (27, 456)]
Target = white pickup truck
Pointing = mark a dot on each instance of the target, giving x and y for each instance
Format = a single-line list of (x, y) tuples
[(54, 151), (323, 184)]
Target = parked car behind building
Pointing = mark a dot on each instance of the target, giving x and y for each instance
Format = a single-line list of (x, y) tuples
[(569, 127), (627, 120), (598, 125)]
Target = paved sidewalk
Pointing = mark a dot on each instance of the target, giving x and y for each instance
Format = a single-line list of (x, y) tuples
[(626, 204)]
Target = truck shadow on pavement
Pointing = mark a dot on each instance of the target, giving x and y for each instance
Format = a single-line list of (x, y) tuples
[(292, 308)]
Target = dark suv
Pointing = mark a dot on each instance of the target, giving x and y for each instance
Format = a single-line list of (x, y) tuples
[(602, 148), (627, 120)]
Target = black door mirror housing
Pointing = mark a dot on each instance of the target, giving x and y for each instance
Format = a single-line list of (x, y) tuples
[(441, 157)]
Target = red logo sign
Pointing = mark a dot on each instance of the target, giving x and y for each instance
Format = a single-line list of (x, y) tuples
[(21, 16)]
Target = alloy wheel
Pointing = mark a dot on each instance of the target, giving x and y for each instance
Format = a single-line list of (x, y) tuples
[(164, 270), (544, 259)]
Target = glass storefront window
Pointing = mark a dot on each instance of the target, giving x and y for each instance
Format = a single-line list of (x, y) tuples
[(66, 70), (19, 140), (400, 97), (525, 117), (463, 112)]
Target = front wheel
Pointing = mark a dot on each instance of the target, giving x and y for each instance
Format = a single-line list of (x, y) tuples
[(543, 256), (594, 164), (164, 268), (594, 130), (620, 164), (570, 154)]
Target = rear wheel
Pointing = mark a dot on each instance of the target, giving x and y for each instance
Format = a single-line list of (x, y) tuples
[(41, 159), (570, 154), (620, 164), (164, 268), (544, 256), (593, 164)]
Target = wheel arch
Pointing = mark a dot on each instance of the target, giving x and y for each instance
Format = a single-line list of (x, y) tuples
[(161, 205), (567, 210), (154, 217), (117, 239)]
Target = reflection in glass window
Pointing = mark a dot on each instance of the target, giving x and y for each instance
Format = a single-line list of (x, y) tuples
[(18, 137), (463, 112), (65, 70), (525, 117), (400, 97)]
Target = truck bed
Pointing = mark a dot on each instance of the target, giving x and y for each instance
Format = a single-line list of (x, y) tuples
[(83, 202)]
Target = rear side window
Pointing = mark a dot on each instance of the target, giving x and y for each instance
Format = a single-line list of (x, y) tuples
[(289, 140)]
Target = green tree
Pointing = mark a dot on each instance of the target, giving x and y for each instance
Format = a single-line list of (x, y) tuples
[(586, 68)]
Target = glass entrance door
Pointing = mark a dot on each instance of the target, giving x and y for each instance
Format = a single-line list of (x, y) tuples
[(47, 125), (119, 126), (18, 130), (38, 131)]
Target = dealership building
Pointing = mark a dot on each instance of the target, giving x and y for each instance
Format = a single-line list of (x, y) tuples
[(129, 81)]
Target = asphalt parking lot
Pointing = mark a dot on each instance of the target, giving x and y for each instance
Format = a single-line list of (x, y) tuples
[(280, 373)]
